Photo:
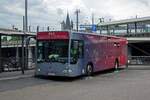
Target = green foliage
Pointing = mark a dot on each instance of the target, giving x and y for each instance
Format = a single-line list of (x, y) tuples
[(15, 38), (4, 39)]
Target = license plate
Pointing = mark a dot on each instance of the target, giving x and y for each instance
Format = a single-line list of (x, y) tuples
[(52, 74)]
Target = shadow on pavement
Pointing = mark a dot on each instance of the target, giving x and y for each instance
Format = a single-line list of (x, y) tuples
[(82, 77)]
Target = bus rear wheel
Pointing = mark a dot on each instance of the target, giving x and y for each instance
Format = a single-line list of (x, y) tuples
[(89, 70)]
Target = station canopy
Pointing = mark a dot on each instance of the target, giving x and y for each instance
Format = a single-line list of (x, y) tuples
[(15, 32)]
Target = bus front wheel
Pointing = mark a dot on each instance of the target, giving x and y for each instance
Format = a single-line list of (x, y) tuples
[(89, 70)]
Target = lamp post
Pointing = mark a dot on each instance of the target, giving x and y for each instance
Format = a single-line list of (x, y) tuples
[(25, 34), (25, 29), (92, 18), (26, 15), (77, 19)]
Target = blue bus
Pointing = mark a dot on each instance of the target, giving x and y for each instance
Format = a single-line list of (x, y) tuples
[(71, 54)]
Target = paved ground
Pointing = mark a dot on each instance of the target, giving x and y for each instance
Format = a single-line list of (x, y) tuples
[(122, 85), (15, 75)]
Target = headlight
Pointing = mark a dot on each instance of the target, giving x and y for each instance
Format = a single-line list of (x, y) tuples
[(39, 70), (70, 71)]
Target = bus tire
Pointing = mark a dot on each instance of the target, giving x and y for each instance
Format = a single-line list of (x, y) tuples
[(116, 65), (89, 70)]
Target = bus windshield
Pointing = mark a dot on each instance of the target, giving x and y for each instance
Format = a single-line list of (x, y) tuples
[(52, 51)]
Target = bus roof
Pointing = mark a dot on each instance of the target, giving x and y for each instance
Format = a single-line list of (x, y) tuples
[(52, 35), (65, 35), (96, 34)]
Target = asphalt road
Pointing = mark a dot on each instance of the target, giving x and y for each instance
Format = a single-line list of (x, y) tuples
[(122, 85)]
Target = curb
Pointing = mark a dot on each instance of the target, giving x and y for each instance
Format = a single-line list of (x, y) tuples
[(15, 77)]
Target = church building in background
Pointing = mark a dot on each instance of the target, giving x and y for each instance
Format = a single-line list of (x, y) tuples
[(67, 25)]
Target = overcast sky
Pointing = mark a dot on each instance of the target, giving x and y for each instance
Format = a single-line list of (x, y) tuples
[(52, 12)]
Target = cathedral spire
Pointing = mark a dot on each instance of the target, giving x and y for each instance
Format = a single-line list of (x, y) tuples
[(68, 25), (68, 22)]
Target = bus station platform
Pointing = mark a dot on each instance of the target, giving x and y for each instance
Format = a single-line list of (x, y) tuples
[(16, 75)]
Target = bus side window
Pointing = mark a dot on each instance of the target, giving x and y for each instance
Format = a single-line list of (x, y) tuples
[(81, 49), (77, 49), (74, 49)]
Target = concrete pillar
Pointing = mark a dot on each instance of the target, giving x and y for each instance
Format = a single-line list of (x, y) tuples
[(108, 32), (129, 54), (1, 67), (29, 28), (23, 57), (17, 53), (135, 27), (30, 57), (48, 29), (127, 29), (26, 53), (113, 33), (38, 28), (129, 51), (100, 31)]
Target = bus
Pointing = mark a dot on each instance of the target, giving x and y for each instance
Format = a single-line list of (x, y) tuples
[(71, 54)]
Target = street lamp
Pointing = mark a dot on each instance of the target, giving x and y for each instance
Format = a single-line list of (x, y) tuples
[(77, 19), (25, 29), (25, 17)]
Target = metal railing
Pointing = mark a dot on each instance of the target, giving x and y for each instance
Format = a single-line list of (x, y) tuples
[(14, 64), (139, 60)]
